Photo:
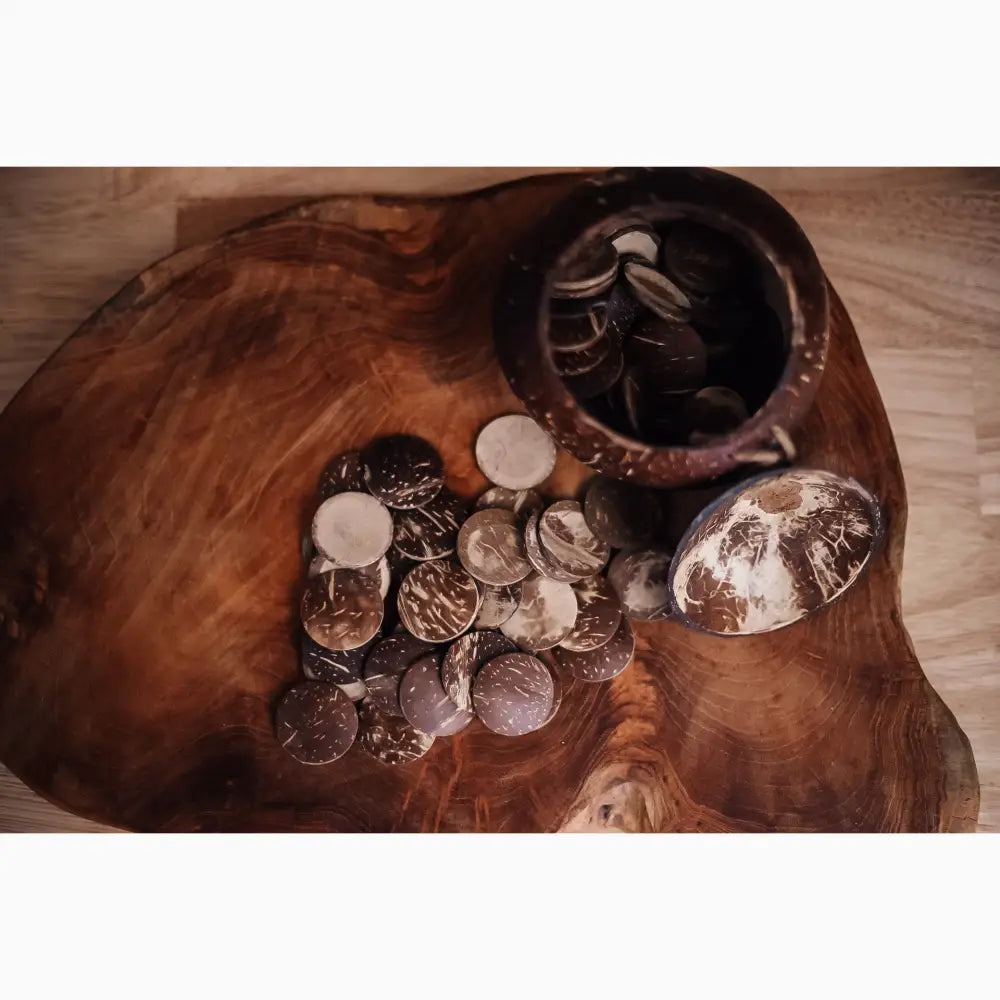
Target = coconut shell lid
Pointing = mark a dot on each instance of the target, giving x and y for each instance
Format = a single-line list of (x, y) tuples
[(772, 550)]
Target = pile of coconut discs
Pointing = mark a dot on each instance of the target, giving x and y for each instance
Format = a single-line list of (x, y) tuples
[(422, 611)]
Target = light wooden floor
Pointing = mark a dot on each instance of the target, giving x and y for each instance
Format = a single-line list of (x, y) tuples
[(914, 253)]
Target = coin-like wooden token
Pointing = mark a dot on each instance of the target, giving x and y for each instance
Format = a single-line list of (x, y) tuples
[(352, 530), (670, 356), (623, 311), (599, 613), (603, 663), (425, 703), (520, 502), (403, 471), (586, 270), (430, 531), (641, 581), (600, 378), (385, 665), (568, 541), (657, 292), (333, 666), (513, 694), (637, 242), (577, 333), (438, 600), (621, 514), (702, 259), (345, 473), (570, 363), (465, 657), (389, 738), (316, 723), (545, 615), (497, 604), (491, 547), (513, 451), (712, 412), (540, 562), (341, 609)]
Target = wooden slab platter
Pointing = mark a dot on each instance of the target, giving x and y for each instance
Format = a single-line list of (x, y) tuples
[(154, 480)]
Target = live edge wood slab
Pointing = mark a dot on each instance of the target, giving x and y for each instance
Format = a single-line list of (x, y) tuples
[(154, 480)]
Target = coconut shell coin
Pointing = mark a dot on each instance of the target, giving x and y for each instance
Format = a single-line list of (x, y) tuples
[(497, 605), (520, 502), (603, 663), (430, 531), (345, 473), (425, 703), (465, 656), (385, 665), (622, 515), (316, 723), (540, 562), (599, 614), (573, 363), (600, 378), (341, 609), (513, 694), (514, 452), (491, 547), (586, 270), (438, 600), (568, 541), (389, 738), (577, 333), (403, 471), (701, 258), (333, 666), (711, 412), (774, 550), (669, 355), (657, 292), (638, 242), (352, 530), (641, 581), (545, 615)]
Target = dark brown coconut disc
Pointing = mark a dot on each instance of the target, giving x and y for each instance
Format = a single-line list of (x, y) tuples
[(520, 502), (600, 378), (403, 471), (657, 292), (579, 362), (352, 530), (491, 547), (603, 663), (431, 531), (587, 270), (545, 615), (389, 738), (514, 452), (438, 600), (568, 541), (781, 547), (712, 412), (641, 581), (620, 514), (701, 258), (623, 312), (513, 694), (341, 609), (385, 665), (465, 657), (540, 562), (577, 333), (637, 242), (425, 703), (333, 666), (497, 605), (345, 473), (316, 723), (599, 613), (669, 355)]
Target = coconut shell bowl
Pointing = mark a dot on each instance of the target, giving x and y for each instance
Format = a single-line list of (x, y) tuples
[(156, 473)]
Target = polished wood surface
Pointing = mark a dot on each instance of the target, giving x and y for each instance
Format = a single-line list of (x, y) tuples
[(192, 418)]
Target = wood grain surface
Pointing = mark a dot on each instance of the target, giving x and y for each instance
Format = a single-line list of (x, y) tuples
[(156, 469)]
